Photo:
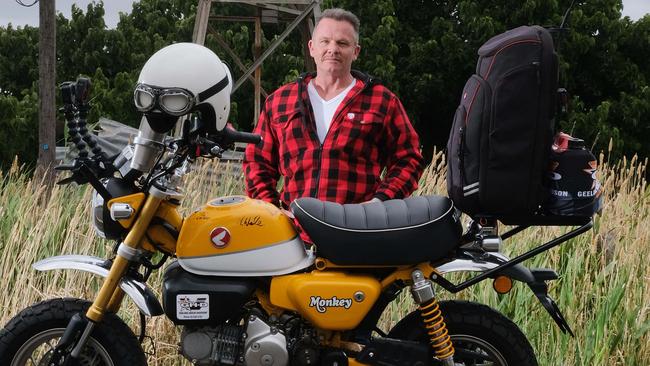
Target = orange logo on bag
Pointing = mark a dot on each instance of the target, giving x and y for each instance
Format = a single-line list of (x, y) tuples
[(592, 169)]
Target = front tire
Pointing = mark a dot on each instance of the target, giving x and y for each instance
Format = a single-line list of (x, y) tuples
[(30, 337), (480, 335)]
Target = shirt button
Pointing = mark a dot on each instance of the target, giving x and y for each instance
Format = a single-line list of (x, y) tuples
[(350, 115)]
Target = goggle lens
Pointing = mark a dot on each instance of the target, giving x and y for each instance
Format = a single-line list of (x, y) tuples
[(144, 99), (174, 103)]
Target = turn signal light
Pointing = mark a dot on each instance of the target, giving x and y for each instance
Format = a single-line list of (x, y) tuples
[(502, 284)]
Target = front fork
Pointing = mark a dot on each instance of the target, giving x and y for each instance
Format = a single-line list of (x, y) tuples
[(434, 323), (110, 295)]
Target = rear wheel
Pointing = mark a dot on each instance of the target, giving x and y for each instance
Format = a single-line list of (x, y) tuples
[(481, 336), (31, 337)]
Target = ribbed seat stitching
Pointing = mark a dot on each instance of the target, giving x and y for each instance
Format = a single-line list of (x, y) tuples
[(365, 215), (402, 204), (429, 209), (385, 214), (408, 212)]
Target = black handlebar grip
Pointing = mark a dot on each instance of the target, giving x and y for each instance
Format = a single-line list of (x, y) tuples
[(238, 136), (83, 90)]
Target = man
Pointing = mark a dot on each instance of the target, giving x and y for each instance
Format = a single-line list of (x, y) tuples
[(330, 134)]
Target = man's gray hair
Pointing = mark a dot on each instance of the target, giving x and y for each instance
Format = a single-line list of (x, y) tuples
[(342, 15)]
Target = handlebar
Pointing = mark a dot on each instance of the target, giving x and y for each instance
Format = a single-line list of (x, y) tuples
[(230, 135)]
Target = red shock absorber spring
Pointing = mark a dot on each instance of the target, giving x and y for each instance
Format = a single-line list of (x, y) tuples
[(436, 328)]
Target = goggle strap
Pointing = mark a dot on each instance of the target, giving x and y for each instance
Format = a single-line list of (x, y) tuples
[(207, 93)]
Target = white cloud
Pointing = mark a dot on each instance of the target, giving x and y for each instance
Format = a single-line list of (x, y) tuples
[(636, 9), (18, 15)]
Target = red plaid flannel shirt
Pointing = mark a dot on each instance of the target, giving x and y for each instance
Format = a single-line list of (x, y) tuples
[(369, 131)]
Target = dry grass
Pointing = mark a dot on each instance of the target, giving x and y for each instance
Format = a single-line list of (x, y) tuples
[(604, 288)]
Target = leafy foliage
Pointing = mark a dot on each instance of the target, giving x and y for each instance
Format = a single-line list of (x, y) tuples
[(424, 50)]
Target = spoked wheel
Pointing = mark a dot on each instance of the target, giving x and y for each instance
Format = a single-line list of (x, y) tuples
[(481, 336), (475, 351), (31, 337), (38, 350)]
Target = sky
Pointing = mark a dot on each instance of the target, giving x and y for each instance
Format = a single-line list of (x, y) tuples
[(18, 15), (12, 12)]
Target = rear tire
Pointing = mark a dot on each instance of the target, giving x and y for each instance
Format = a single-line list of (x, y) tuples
[(30, 337), (481, 335)]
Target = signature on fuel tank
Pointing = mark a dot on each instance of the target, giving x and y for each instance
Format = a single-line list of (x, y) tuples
[(251, 221)]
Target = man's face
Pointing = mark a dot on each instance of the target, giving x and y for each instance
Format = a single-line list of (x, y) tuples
[(333, 47)]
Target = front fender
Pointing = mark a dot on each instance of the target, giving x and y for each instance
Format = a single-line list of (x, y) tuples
[(141, 295)]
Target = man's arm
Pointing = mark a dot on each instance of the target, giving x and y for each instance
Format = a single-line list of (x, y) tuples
[(404, 163), (261, 164)]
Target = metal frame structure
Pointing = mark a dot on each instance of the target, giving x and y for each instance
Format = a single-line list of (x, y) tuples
[(268, 11)]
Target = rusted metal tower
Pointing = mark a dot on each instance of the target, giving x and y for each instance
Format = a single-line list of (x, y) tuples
[(268, 11)]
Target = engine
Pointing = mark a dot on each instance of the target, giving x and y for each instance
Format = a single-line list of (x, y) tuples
[(259, 342), (212, 345)]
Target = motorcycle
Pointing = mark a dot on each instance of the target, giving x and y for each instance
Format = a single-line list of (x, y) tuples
[(244, 287)]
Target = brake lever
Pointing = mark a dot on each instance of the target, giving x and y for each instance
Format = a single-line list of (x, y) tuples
[(209, 149), (217, 151), (221, 142)]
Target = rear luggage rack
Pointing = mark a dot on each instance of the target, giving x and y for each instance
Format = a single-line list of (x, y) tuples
[(586, 223), (535, 220), (493, 264)]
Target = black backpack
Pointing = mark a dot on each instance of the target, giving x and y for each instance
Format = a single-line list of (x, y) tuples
[(498, 148)]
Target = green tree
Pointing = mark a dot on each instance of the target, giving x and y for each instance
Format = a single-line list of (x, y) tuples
[(18, 59), (424, 50), (602, 67)]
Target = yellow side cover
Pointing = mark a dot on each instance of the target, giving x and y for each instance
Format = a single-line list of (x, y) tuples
[(329, 300)]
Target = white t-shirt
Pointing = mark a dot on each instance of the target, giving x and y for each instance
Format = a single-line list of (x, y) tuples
[(324, 109)]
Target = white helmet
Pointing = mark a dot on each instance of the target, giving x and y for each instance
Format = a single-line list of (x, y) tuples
[(182, 78)]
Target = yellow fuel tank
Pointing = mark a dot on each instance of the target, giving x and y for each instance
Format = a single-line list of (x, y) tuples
[(239, 236), (329, 300)]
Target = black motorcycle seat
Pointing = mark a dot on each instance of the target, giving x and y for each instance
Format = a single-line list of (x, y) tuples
[(393, 232)]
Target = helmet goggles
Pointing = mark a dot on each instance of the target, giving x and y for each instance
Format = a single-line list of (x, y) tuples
[(172, 101)]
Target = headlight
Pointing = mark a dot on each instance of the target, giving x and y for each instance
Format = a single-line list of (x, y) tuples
[(98, 214), (104, 225)]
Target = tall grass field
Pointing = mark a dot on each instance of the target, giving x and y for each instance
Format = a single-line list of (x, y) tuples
[(603, 289)]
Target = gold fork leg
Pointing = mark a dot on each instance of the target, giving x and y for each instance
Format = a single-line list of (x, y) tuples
[(110, 296)]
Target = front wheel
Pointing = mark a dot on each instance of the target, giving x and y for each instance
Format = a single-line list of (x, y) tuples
[(31, 336), (481, 336)]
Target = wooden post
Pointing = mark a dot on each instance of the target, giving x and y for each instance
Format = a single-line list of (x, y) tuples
[(258, 70), (201, 21), (305, 36), (46, 89)]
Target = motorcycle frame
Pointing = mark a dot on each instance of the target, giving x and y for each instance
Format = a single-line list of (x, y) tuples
[(118, 281)]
